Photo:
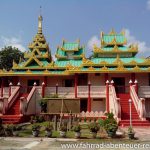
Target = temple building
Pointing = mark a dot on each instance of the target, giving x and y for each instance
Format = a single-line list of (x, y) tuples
[(102, 83)]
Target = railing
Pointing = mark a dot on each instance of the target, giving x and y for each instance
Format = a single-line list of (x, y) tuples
[(13, 96), (27, 105), (5, 91), (98, 91), (138, 103), (144, 91), (82, 91), (114, 103), (95, 91)]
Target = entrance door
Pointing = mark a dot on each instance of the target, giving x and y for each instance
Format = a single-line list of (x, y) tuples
[(83, 105), (119, 83)]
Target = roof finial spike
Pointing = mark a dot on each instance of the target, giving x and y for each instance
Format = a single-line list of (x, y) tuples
[(40, 19)]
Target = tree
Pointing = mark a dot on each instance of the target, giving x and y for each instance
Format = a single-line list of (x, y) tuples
[(7, 55)]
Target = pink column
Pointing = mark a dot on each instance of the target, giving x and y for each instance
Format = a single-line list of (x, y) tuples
[(136, 86), (107, 96), (43, 89), (89, 97), (10, 85), (75, 84)]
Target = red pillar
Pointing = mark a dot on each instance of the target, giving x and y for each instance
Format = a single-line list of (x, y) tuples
[(43, 89), (75, 84), (89, 97), (45, 80), (107, 96), (2, 86), (136, 86), (10, 84)]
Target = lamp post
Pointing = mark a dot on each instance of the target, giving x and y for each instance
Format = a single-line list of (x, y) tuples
[(107, 96), (89, 96), (56, 88), (130, 103), (43, 89)]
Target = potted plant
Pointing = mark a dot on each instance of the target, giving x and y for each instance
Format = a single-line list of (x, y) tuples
[(48, 130), (35, 130), (131, 133), (16, 129), (77, 129), (94, 128), (63, 130), (8, 130), (109, 124), (43, 104)]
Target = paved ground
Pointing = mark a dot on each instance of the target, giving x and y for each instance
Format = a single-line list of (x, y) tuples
[(12, 143)]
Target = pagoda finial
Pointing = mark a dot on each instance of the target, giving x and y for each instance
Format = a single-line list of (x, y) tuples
[(40, 19)]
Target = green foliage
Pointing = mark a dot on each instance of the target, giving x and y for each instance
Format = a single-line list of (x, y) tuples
[(85, 119), (63, 128), (49, 127), (37, 119), (76, 128), (7, 55), (130, 130), (94, 127), (35, 127), (16, 127), (109, 124)]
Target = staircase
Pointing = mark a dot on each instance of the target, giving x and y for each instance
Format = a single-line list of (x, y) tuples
[(13, 115), (125, 112)]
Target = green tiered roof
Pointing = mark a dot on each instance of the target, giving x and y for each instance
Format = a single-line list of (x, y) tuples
[(38, 55), (70, 51), (113, 56)]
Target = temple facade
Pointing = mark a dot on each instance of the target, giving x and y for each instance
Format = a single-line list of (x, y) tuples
[(102, 83)]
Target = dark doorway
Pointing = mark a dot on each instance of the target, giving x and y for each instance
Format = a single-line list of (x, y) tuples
[(69, 83), (30, 84), (82, 79), (83, 105), (119, 83)]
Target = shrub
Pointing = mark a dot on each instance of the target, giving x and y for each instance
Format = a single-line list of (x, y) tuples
[(35, 127), (94, 127), (76, 128), (63, 128), (49, 127)]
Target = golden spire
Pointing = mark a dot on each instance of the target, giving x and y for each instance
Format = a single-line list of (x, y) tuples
[(40, 19)]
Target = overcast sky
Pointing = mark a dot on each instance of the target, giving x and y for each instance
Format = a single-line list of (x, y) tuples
[(73, 19)]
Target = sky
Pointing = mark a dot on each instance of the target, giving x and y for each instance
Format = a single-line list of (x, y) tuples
[(74, 19)]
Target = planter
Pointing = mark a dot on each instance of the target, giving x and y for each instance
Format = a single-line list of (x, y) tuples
[(77, 134), (35, 133), (15, 133), (131, 135), (62, 134), (48, 133), (111, 134), (94, 134)]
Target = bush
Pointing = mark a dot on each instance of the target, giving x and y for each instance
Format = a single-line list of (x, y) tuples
[(109, 124), (63, 128), (76, 128), (35, 127), (94, 127), (49, 127)]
